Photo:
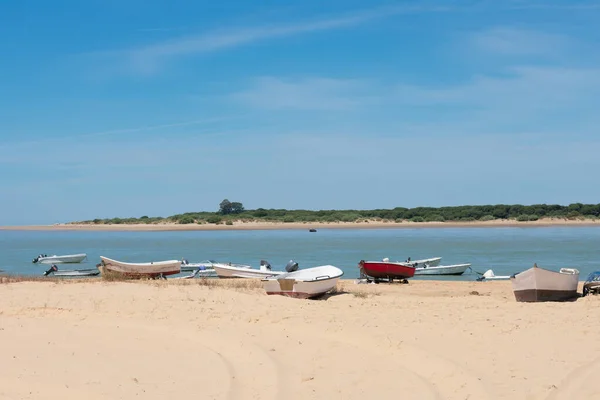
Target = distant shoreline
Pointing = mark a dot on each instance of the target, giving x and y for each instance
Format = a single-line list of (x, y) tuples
[(264, 225)]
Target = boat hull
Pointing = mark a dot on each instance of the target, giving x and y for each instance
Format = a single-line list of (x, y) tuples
[(387, 270), (538, 284), (304, 284), (457, 269), (228, 271), (67, 259), (432, 262), (151, 269)]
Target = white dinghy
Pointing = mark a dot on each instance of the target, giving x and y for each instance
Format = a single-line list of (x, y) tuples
[(456, 269), (490, 276), (305, 284), (244, 271), (539, 284), (66, 259)]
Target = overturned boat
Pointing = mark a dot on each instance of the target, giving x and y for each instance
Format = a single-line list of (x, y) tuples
[(139, 270), (456, 269), (66, 259), (244, 271), (539, 284), (54, 271), (305, 284)]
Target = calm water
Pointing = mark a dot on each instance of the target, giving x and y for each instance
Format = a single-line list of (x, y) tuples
[(505, 250)]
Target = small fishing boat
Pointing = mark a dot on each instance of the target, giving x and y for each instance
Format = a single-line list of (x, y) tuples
[(386, 269), (54, 271), (490, 276), (244, 271), (187, 266), (305, 284), (457, 269), (432, 262), (592, 284), (539, 284), (148, 269), (66, 259)]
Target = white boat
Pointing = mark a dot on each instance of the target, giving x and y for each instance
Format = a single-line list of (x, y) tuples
[(66, 259), (539, 284), (148, 269), (456, 269), (490, 276), (432, 262), (187, 266), (244, 271), (305, 284), (54, 271)]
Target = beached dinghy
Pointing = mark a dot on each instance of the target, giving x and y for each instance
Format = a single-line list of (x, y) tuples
[(539, 284), (66, 259), (237, 271), (456, 269), (592, 284), (54, 271), (304, 284), (149, 269), (386, 269), (490, 276)]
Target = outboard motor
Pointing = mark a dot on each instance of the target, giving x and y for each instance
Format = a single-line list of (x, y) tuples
[(291, 266), (53, 268), (265, 265), (184, 261)]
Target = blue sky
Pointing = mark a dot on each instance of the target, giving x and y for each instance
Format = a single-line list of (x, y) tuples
[(146, 107)]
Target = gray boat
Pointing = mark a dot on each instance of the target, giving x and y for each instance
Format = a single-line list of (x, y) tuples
[(54, 271)]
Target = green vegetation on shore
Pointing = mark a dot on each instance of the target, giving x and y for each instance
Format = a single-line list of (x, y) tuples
[(234, 211)]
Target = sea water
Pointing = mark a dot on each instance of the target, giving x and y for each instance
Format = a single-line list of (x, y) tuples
[(505, 250)]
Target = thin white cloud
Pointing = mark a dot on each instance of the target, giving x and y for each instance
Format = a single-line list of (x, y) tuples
[(148, 59), (518, 42), (304, 94)]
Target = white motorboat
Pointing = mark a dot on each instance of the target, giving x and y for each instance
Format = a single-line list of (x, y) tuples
[(148, 269), (306, 283), (54, 271), (66, 259), (490, 276), (456, 269), (244, 271), (432, 262), (539, 284), (187, 266)]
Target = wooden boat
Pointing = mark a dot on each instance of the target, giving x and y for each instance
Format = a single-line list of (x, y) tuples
[(150, 269), (305, 284), (457, 269), (490, 276), (244, 271), (539, 284), (592, 284), (54, 271), (66, 259), (386, 269)]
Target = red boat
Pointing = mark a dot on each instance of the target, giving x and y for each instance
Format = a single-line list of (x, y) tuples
[(386, 269)]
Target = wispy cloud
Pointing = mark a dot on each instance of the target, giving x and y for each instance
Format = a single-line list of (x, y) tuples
[(149, 59), (305, 94), (518, 42)]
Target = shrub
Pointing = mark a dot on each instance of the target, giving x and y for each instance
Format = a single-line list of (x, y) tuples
[(230, 222), (214, 220), (417, 219), (186, 220), (487, 218)]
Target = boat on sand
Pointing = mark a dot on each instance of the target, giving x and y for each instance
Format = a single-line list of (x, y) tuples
[(592, 284), (66, 259), (539, 284), (490, 276), (305, 284), (237, 271), (386, 269), (148, 269), (456, 269), (432, 262), (54, 271)]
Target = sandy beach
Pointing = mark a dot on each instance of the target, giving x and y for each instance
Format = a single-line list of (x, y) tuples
[(239, 225), (184, 340)]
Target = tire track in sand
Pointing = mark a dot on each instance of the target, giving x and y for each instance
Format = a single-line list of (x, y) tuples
[(579, 383)]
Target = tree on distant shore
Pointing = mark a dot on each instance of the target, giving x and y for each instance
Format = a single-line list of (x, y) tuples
[(227, 207)]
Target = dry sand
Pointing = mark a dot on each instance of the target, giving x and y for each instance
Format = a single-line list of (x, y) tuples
[(239, 225), (183, 340)]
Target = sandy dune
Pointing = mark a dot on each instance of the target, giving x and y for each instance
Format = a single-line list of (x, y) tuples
[(425, 340)]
